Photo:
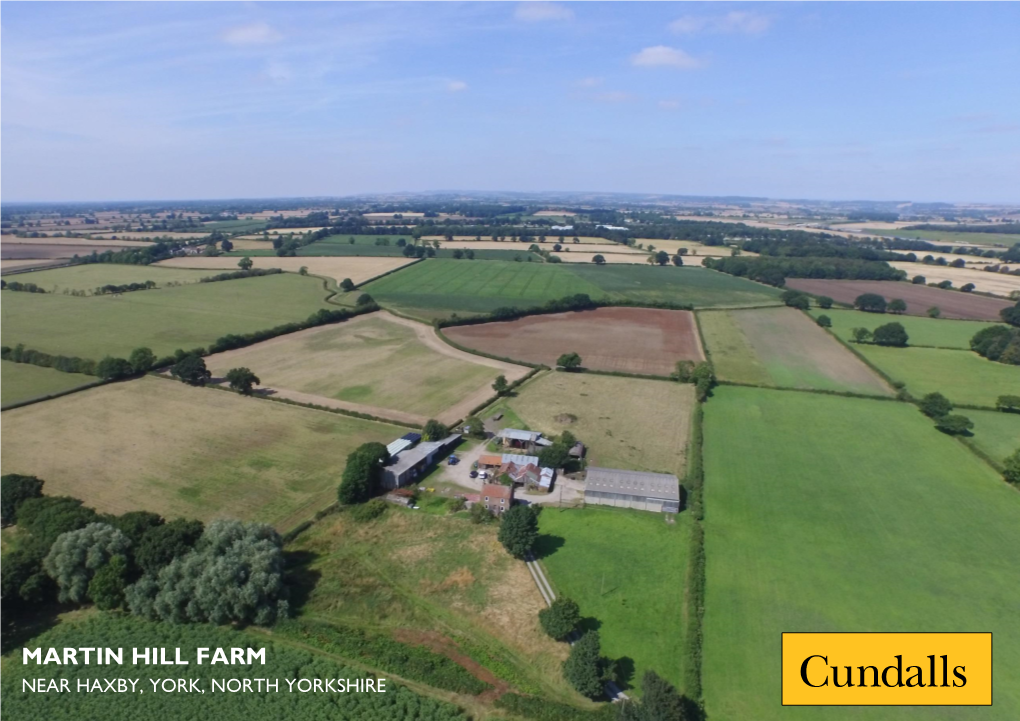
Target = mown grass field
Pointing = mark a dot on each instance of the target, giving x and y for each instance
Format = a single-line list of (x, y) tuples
[(373, 361), (428, 577), (91, 276), (159, 445), (845, 514), (626, 571), (781, 347), (641, 425), (441, 287), (164, 320), (950, 236), (961, 376), (21, 381), (933, 332), (995, 433)]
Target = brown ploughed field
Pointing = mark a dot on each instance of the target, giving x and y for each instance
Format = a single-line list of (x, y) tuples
[(631, 340), (919, 298)]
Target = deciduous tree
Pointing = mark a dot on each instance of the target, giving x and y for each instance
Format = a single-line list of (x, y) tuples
[(561, 618), (75, 557), (518, 530), (242, 380)]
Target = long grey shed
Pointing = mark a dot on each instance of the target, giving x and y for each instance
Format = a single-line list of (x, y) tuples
[(657, 492)]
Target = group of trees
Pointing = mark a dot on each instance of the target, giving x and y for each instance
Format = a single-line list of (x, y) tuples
[(892, 335), (518, 529), (702, 375), (67, 364), (775, 270), (998, 343), (361, 476), (937, 407), (569, 362), (178, 571), (558, 454), (21, 287), (874, 303)]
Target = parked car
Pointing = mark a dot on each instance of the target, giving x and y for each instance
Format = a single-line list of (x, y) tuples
[(483, 474), (453, 460), (474, 474)]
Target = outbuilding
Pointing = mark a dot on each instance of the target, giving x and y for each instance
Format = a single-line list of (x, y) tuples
[(657, 492)]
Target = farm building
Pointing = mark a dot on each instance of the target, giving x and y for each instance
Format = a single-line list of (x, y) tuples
[(522, 440), (525, 470), (497, 497), (411, 462), (658, 492)]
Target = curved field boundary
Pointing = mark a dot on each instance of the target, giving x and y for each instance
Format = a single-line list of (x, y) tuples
[(49, 396)]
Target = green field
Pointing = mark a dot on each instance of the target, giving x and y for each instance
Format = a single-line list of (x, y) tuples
[(961, 376), (950, 236), (626, 571), (283, 660), (845, 514), (782, 347), (159, 445), (439, 287), (236, 226), (933, 332), (93, 275), (21, 382), (322, 248), (164, 320), (995, 433)]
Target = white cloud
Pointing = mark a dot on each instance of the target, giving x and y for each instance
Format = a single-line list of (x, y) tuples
[(253, 34), (536, 12), (745, 23), (456, 86), (278, 72), (669, 104), (589, 82), (663, 56)]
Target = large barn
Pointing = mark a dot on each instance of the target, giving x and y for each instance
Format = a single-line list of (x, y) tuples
[(658, 492)]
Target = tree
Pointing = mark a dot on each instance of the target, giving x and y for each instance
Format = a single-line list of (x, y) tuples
[(598, 260), (135, 524), (162, 544), (191, 369), (245, 263), (76, 555), (569, 361), (15, 489), (662, 257), (861, 335), (500, 385), (226, 245), (918, 280), (824, 302), (704, 379), (112, 369), (47, 517), (796, 299), (934, 312), (234, 574), (967, 287), (891, 334), (824, 321), (360, 479), (1011, 315), (107, 586), (469, 254), (518, 530), (458, 253), (142, 360), (433, 430), (1006, 404), (560, 619), (303, 270), (242, 380), (935, 405), (364, 299), (954, 425), (660, 701), (583, 667), (479, 513), (474, 427), (347, 285), (870, 303), (678, 259), (897, 305), (1011, 468)]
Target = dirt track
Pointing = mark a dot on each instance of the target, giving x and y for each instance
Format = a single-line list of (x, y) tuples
[(632, 340), (919, 298)]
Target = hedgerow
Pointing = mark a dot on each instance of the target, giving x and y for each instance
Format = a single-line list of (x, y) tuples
[(540, 709)]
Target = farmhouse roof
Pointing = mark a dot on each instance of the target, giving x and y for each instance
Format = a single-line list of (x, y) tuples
[(519, 459), (497, 490), (515, 434), (633, 483), (546, 479), (490, 459)]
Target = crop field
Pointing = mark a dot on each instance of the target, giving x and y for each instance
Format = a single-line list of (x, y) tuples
[(633, 340), (694, 248), (235, 226), (21, 382), (632, 258), (846, 531), (695, 286), (324, 249), (932, 332), (434, 579), (550, 238), (164, 320), (46, 251), (159, 445), (961, 376), (372, 362), (951, 236), (640, 425), (919, 298), (996, 433), (567, 247), (357, 269), (10, 266), (1001, 284), (75, 243), (89, 277), (626, 570), (782, 347)]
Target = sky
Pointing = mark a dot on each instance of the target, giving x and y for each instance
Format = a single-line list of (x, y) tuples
[(839, 101)]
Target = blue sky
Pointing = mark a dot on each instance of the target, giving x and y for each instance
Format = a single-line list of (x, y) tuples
[(904, 101)]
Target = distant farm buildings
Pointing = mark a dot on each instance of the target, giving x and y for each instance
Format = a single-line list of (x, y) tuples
[(496, 497), (521, 469), (522, 440), (562, 228), (657, 492), (408, 461)]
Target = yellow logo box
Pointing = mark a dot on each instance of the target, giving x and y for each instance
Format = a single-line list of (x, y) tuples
[(887, 669)]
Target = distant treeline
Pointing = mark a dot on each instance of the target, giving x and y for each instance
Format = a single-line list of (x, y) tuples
[(22, 287), (580, 301), (775, 271), (239, 274), (67, 364)]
